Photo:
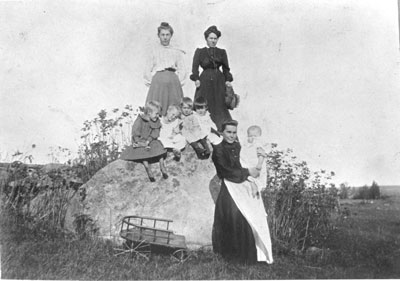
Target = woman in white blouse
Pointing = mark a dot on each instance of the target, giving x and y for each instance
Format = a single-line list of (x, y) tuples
[(165, 71)]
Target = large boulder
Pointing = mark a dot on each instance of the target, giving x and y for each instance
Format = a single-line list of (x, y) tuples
[(122, 188)]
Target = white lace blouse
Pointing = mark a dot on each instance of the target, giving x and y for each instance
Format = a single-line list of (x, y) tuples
[(162, 57)]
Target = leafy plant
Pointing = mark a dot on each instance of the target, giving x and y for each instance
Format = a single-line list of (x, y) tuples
[(299, 203), (104, 137)]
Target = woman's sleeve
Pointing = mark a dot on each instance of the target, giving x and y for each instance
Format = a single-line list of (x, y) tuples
[(225, 168), (149, 66), (212, 124), (181, 69), (195, 66), (136, 130), (225, 67)]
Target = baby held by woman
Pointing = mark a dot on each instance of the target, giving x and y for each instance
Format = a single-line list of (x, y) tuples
[(253, 154)]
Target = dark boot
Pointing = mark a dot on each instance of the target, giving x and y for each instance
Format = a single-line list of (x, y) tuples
[(199, 149), (207, 148)]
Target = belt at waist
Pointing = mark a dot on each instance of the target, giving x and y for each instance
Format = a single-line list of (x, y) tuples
[(211, 68), (169, 69)]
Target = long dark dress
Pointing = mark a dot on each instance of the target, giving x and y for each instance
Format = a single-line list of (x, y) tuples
[(144, 130), (232, 236), (212, 81)]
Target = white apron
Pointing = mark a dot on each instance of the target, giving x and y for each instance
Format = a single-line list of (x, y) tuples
[(254, 212)]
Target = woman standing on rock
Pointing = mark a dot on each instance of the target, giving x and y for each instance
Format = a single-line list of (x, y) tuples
[(211, 83), (165, 71)]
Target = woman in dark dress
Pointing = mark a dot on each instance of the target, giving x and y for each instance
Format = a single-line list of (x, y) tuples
[(232, 236), (211, 83)]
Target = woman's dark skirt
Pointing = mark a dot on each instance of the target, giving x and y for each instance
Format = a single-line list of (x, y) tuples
[(166, 89), (232, 236), (212, 88)]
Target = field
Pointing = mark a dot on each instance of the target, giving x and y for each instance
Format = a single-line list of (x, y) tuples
[(365, 244)]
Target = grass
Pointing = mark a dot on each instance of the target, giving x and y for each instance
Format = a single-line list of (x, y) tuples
[(365, 244)]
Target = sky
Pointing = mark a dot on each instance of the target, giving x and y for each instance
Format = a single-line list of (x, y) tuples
[(320, 77)]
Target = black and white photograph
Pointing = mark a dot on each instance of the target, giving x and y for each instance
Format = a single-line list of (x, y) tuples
[(199, 139)]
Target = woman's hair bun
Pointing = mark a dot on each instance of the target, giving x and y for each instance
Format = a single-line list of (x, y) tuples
[(165, 25), (212, 29)]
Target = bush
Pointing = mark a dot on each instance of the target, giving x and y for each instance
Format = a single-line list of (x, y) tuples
[(344, 191), (299, 203), (41, 197), (104, 137), (375, 192), (368, 193)]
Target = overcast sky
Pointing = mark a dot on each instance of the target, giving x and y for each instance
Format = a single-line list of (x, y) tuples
[(320, 76)]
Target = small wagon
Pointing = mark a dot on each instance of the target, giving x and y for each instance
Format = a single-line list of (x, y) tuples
[(145, 235)]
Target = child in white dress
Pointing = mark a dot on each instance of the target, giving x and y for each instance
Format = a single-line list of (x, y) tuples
[(253, 153), (170, 135), (192, 130), (208, 127)]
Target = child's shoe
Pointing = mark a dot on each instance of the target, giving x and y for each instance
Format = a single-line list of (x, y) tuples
[(177, 155), (205, 155)]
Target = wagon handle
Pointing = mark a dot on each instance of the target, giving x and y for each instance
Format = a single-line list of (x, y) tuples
[(147, 218)]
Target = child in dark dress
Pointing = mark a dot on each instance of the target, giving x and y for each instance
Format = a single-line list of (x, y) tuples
[(145, 144)]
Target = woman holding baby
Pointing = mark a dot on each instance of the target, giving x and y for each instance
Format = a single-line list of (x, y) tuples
[(240, 230)]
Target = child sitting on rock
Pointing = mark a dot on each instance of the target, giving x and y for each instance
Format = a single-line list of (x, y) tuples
[(208, 127), (145, 144), (192, 131), (170, 135)]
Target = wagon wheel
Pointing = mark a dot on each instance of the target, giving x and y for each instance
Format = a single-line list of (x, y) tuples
[(140, 249), (180, 255)]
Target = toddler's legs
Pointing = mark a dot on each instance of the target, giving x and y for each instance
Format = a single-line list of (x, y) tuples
[(198, 148), (163, 169), (205, 143), (177, 154), (148, 171)]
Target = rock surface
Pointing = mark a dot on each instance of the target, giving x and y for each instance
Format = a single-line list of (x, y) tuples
[(122, 188)]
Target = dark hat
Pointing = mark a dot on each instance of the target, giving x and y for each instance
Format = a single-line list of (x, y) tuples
[(212, 29)]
